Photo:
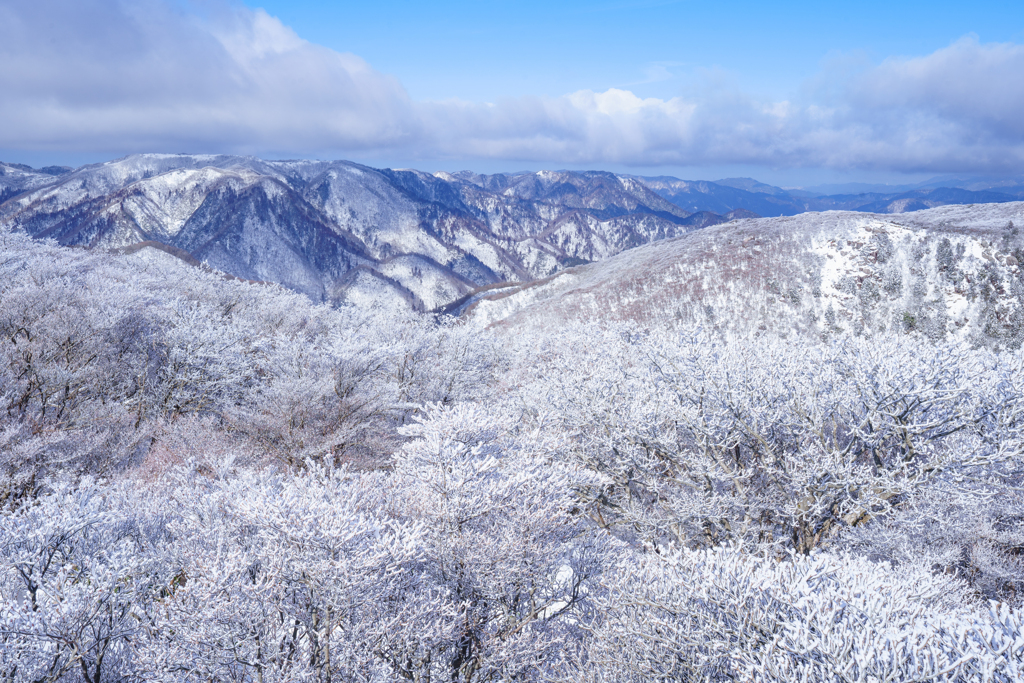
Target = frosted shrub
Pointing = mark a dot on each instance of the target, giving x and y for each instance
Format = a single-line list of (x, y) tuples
[(507, 540), (726, 615), (280, 578), (78, 569), (772, 441), (971, 532)]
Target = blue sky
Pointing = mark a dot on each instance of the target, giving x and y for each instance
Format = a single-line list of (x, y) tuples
[(488, 50), (795, 95)]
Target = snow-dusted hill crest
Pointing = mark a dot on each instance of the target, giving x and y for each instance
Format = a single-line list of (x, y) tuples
[(950, 271), (16, 179), (339, 230), (766, 200)]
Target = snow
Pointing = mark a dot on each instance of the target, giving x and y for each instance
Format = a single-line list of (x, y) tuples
[(432, 284), (369, 291), (152, 256), (165, 203), (474, 236), (795, 274), (486, 252)]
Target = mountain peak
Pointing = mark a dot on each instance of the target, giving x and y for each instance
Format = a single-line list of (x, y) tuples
[(338, 230)]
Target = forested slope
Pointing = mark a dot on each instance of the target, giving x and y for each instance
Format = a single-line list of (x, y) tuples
[(206, 479), (952, 272), (341, 231)]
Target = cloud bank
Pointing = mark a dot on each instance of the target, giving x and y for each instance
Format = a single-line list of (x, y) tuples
[(119, 77)]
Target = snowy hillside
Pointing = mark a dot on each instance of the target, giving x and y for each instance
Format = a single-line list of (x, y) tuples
[(333, 229), (949, 271), (206, 479), (310, 225), (18, 178)]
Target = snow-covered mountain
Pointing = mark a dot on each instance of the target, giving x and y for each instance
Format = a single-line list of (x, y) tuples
[(18, 178), (726, 195), (952, 271), (342, 231)]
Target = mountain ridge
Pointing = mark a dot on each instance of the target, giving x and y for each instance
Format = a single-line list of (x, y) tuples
[(339, 230), (951, 271), (429, 239)]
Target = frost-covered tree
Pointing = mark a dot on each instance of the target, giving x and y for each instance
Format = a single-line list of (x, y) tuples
[(508, 542), (286, 577), (78, 569), (766, 440), (723, 614)]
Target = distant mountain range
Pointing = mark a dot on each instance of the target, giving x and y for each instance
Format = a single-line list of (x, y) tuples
[(340, 231), (766, 200), (1011, 186)]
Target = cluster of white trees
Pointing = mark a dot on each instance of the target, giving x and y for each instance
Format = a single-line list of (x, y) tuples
[(207, 480)]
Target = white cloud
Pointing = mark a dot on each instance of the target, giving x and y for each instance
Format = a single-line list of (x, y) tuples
[(83, 74), (981, 86), (121, 77)]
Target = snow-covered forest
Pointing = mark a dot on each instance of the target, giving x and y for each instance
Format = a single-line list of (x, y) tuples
[(209, 480)]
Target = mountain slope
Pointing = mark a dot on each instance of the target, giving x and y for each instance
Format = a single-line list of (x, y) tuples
[(16, 179), (426, 239), (701, 195), (952, 271), (341, 231)]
